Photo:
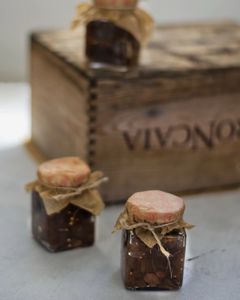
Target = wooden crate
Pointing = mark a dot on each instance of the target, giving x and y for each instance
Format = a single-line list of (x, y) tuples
[(174, 124)]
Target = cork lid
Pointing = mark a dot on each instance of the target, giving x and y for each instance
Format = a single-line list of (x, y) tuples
[(64, 172), (116, 4), (155, 207)]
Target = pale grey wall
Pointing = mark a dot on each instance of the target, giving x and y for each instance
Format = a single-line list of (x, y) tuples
[(19, 17)]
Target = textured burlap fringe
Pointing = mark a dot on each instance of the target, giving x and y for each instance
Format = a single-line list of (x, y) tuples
[(85, 196), (150, 234), (136, 21)]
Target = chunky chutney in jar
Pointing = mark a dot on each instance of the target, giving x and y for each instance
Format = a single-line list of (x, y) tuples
[(153, 241), (65, 203)]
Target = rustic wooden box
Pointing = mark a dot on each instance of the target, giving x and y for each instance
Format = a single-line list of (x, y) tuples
[(173, 124)]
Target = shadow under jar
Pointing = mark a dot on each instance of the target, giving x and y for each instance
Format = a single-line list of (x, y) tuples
[(144, 268), (70, 228), (109, 45)]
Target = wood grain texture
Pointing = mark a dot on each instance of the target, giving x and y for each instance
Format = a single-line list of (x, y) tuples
[(186, 145), (172, 124), (59, 106), (171, 48)]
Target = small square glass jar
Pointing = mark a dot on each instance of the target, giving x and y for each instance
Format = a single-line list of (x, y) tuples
[(70, 228), (108, 45), (144, 268)]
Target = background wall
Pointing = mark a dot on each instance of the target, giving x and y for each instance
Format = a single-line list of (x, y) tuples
[(19, 18)]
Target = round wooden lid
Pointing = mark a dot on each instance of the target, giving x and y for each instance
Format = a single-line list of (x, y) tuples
[(64, 172), (116, 4), (155, 207)]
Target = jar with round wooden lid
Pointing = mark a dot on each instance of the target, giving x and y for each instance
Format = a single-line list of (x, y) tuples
[(153, 241), (65, 203)]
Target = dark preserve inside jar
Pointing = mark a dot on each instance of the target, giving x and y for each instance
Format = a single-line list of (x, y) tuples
[(110, 45), (70, 228), (144, 268)]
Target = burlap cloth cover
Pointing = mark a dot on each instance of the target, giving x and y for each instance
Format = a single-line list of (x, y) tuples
[(56, 199), (136, 21)]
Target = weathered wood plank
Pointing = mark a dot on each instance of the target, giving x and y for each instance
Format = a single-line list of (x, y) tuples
[(59, 106), (171, 47), (177, 146)]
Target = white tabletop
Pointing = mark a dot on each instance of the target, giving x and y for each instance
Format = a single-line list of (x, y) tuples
[(28, 272)]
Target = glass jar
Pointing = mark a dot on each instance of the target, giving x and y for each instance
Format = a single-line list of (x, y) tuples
[(145, 269), (108, 45), (71, 228), (153, 241), (65, 203), (115, 32)]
